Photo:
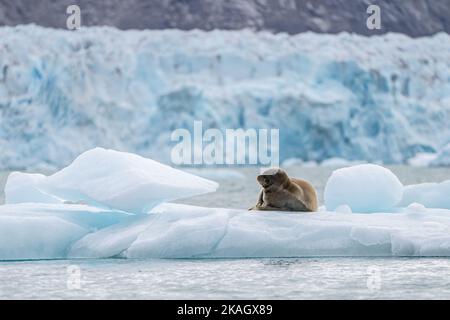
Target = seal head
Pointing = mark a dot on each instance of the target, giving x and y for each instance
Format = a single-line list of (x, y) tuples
[(273, 179)]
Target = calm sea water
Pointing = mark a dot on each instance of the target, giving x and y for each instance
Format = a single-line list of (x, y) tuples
[(300, 278)]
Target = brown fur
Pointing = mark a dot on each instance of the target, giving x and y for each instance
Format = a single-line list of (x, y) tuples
[(281, 193)]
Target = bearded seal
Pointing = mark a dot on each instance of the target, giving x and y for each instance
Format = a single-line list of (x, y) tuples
[(281, 193)]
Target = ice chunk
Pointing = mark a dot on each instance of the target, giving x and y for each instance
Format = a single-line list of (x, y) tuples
[(110, 178), (364, 188), (416, 208), (181, 231), (343, 208), (422, 159), (431, 195), (443, 157), (47, 231), (23, 187)]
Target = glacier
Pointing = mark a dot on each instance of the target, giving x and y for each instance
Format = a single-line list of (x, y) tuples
[(379, 99)]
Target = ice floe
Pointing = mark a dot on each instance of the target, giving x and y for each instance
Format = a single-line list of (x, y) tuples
[(46, 231), (181, 231)]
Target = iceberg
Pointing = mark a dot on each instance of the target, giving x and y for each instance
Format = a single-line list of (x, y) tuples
[(23, 187), (364, 188), (430, 195), (181, 231), (46, 231), (110, 179), (379, 98)]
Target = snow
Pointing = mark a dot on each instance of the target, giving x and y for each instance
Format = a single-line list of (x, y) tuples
[(364, 188), (181, 231), (381, 98), (430, 195), (108, 178), (46, 231), (53, 231)]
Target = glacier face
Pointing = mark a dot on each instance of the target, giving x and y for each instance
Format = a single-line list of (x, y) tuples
[(382, 98)]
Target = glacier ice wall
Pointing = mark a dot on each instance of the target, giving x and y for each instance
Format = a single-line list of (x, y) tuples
[(382, 98)]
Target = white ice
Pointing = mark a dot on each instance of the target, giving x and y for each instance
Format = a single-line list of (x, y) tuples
[(181, 231), (364, 188), (403, 221), (430, 195), (24, 187), (46, 231), (108, 178)]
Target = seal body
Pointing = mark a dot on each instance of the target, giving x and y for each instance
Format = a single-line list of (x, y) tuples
[(281, 193)]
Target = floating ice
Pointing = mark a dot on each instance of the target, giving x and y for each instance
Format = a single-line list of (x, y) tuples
[(422, 159), (23, 187), (339, 162), (46, 231), (180, 231), (343, 208), (443, 157), (109, 178), (49, 231), (416, 208), (364, 188), (431, 195)]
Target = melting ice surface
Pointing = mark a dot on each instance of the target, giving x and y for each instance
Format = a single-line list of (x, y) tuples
[(397, 221)]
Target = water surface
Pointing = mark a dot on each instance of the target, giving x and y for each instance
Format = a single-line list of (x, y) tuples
[(300, 278)]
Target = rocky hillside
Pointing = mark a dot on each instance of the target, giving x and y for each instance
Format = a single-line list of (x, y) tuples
[(412, 17)]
